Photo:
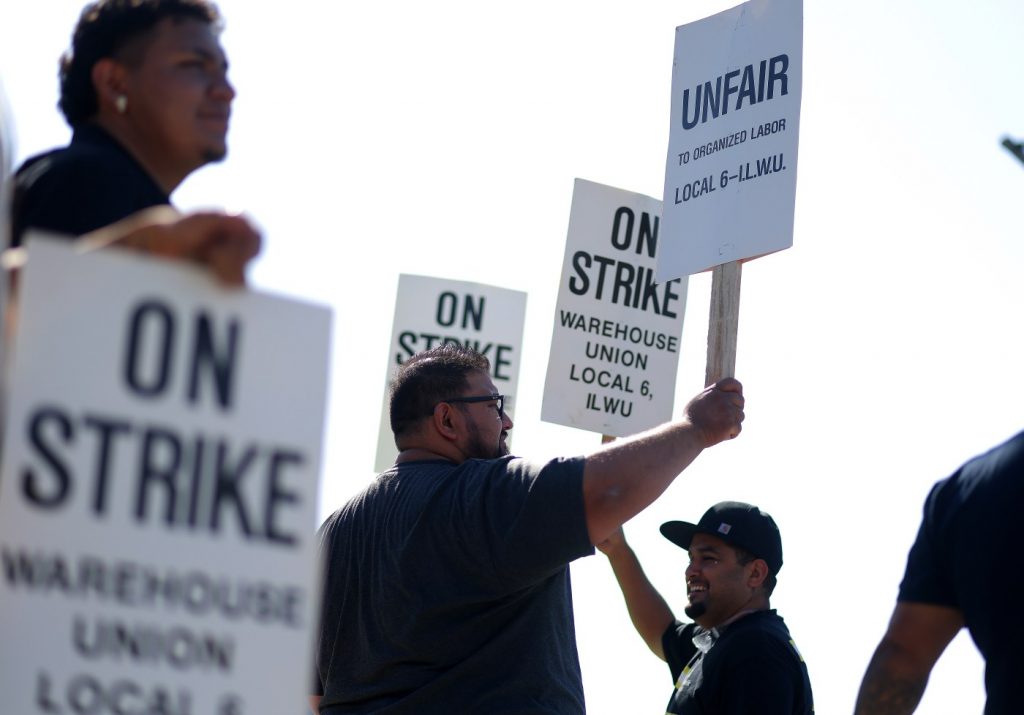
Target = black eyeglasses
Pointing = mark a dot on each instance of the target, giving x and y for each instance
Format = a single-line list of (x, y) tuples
[(482, 398)]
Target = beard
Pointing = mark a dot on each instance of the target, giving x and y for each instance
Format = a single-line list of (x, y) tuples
[(478, 449), (214, 155), (694, 611)]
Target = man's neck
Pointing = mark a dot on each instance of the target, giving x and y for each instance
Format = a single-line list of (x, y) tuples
[(420, 454), (167, 177), (737, 616)]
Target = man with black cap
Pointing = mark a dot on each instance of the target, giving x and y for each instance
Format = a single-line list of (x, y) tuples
[(737, 656)]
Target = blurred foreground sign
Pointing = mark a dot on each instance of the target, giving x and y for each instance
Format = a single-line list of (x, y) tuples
[(615, 342), (730, 175), (158, 494), (433, 311)]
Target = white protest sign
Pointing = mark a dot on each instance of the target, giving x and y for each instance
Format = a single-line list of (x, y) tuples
[(730, 175), (432, 311), (158, 491), (615, 343)]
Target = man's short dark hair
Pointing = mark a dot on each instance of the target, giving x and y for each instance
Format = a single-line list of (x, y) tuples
[(104, 28), (744, 557), (430, 377)]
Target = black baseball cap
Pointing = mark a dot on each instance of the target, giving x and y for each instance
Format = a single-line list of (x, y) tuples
[(736, 523)]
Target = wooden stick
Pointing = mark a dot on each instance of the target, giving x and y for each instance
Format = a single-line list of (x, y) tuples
[(723, 322)]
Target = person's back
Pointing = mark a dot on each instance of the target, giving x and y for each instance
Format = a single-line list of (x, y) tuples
[(446, 582), (450, 593), (967, 557)]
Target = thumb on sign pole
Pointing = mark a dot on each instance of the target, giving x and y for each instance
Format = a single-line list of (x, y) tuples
[(723, 322)]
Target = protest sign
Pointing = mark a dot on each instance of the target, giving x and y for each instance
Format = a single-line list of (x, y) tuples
[(615, 342), (730, 175), (158, 493), (433, 311)]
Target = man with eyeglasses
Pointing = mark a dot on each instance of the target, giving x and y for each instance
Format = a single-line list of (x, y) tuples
[(446, 583)]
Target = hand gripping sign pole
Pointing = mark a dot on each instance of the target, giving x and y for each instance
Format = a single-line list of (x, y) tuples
[(730, 177)]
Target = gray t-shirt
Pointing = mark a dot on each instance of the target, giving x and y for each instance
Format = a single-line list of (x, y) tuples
[(446, 589)]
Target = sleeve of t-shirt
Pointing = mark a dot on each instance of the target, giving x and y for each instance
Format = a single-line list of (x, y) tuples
[(762, 678), (926, 579), (521, 521), (677, 644), (327, 612)]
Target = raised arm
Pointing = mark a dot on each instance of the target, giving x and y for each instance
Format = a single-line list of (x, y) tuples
[(647, 609), (899, 669), (624, 477)]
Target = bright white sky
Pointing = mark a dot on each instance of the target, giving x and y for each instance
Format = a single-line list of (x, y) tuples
[(879, 353)]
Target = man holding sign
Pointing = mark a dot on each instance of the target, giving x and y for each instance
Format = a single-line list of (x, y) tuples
[(144, 87), (737, 656), (140, 463), (446, 582)]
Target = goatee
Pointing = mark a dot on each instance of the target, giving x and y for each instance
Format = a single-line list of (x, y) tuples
[(695, 610)]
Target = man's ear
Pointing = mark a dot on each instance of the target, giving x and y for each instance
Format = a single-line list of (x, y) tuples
[(447, 421), (758, 573), (109, 81)]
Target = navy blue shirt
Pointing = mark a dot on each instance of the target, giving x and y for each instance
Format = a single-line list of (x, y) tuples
[(86, 185), (967, 556), (750, 666), (446, 590)]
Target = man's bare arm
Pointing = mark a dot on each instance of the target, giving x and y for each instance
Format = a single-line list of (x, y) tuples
[(647, 609), (898, 672), (624, 477)]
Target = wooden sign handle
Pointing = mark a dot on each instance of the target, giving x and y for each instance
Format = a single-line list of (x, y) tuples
[(723, 322)]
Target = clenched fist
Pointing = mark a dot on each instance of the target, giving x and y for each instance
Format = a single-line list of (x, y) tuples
[(717, 412)]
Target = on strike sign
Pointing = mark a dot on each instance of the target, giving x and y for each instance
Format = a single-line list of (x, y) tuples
[(158, 494), (434, 311), (615, 343)]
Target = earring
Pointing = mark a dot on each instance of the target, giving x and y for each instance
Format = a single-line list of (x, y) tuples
[(121, 103)]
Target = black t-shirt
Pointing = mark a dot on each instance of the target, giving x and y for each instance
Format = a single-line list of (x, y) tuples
[(88, 184), (446, 590), (968, 555), (750, 666)]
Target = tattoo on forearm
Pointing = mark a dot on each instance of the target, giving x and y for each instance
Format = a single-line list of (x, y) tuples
[(883, 693)]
